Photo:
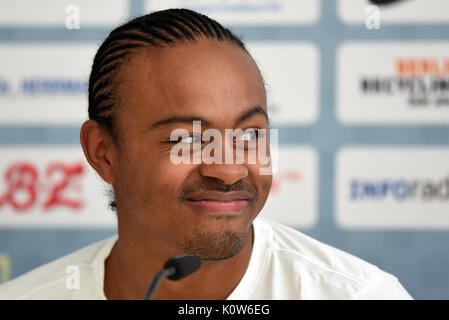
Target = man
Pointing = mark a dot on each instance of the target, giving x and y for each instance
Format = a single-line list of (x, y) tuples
[(154, 75)]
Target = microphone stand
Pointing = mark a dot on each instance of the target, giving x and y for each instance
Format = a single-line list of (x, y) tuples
[(157, 279), (175, 268)]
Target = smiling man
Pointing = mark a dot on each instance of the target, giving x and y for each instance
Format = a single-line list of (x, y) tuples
[(152, 76)]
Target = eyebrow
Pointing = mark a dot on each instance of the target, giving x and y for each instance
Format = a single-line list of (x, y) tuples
[(178, 119), (258, 110)]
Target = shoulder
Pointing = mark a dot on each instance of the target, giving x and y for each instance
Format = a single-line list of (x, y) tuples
[(52, 280), (318, 270)]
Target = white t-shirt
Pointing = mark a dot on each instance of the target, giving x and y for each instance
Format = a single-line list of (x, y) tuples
[(284, 264)]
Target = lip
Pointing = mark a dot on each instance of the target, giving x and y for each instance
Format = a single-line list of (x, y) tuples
[(212, 201)]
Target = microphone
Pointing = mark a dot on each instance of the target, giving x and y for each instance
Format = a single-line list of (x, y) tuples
[(175, 268)]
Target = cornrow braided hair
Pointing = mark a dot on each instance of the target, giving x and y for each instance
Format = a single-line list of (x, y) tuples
[(157, 29)]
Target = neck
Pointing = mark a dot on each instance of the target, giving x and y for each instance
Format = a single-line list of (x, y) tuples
[(134, 261)]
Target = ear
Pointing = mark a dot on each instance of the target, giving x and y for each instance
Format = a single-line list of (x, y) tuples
[(98, 149)]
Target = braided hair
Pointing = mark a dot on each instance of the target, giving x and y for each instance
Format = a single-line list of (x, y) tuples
[(158, 29)]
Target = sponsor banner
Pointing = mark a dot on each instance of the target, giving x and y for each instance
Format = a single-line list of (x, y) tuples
[(396, 12), (293, 199), (247, 12), (291, 73), (43, 186), (393, 83), (44, 84), (71, 14), (47, 84), (392, 188)]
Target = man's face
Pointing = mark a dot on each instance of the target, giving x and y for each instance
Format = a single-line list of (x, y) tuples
[(205, 209)]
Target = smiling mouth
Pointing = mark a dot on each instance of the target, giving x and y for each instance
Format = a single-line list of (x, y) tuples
[(220, 202)]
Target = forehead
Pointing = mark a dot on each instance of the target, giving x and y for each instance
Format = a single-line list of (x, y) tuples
[(213, 80)]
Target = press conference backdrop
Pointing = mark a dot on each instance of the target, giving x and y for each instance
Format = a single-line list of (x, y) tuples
[(359, 93)]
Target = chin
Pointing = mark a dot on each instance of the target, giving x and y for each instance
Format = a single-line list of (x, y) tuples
[(213, 246)]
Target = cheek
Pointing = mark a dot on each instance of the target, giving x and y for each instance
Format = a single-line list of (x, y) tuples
[(153, 181), (261, 180), (167, 179)]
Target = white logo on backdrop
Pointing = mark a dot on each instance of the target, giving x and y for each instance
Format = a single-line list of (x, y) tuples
[(44, 84), (291, 71), (248, 12), (405, 82), (51, 186), (293, 198), (392, 188), (54, 13)]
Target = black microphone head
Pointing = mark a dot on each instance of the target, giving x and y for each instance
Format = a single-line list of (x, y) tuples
[(184, 265), (384, 2)]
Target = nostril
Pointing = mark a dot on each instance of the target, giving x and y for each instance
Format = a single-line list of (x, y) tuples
[(226, 173)]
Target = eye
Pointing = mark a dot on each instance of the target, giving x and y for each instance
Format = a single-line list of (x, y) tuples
[(190, 139), (248, 135)]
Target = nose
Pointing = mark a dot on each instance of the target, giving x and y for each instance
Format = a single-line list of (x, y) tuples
[(227, 173)]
